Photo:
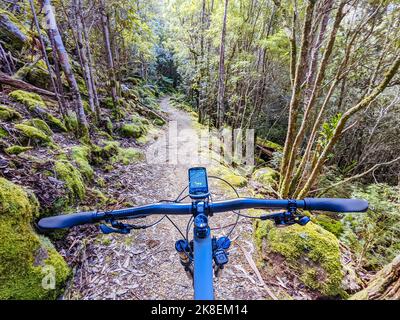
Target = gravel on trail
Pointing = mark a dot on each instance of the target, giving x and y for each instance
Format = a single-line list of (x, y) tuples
[(144, 263)]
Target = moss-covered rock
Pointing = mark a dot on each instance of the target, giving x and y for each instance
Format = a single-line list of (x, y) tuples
[(229, 175), (56, 123), (130, 130), (73, 180), (33, 133), (8, 114), (158, 122), (81, 156), (13, 34), (235, 180), (40, 124), (332, 225), (16, 149), (28, 99), (36, 74), (129, 155), (26, 260), (310, 250), (266, 176)]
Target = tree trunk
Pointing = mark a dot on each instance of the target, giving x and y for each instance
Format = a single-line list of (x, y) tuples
[(296, 91), (66, 66), (19, 84), (221, 73), (293, 149), (385, 285), (82, 48), (109, 55), (60, 100), (90, 62)]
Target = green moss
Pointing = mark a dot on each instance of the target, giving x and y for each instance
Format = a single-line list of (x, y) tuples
[(158, 122), (235, 180), (24, 256), (3, 133), (109, 126), (101, 182), (38, 75), (108, 103), (28, 99), (8, 114), (130, 130), (16, 149), (71, 121), (82, 86), (73, 180), (110, 149), (266, 176), (129, 155), (229, 175), (16, 39), (33, 133), (39, 124), (328, 223), (270, 144), (81, 155), (310, 250), (99, 155), (56, 123)]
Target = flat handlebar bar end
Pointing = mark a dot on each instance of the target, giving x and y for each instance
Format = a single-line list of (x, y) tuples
[(67, 220), (336, 205)]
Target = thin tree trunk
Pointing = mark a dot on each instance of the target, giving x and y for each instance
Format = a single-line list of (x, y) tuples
[(202, 69), (109, 55), (60, 100), (221, 73), (90, 62), (77, 4), (66, 66)]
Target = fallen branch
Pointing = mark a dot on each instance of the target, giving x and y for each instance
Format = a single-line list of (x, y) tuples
[(19, 84), (147, 109), (258, 274)]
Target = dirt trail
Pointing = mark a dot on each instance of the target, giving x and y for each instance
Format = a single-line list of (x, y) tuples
[(144, 264)]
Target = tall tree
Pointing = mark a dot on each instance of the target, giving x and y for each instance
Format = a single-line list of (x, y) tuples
[(109, 54), (221, 72)]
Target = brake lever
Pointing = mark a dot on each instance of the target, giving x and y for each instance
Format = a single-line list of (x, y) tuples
[(106, 229), (289, 218)]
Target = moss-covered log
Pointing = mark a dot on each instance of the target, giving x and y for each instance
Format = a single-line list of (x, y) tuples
[(385, 285)]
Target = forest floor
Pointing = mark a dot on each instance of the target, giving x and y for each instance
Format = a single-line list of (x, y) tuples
[(144, 264)]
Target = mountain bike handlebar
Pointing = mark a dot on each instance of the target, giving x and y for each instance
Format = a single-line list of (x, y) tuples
[(320, 204)]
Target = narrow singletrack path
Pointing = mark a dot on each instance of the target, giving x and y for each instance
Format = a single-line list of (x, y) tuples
[(144, 264)]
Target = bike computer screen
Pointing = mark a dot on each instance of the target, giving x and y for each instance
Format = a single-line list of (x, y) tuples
[(198, 184)]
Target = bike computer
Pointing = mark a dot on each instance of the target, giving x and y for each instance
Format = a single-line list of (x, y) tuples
[(198, 184)]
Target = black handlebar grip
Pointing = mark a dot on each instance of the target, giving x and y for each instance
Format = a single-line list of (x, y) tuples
[(336, 205), (67, 220)]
